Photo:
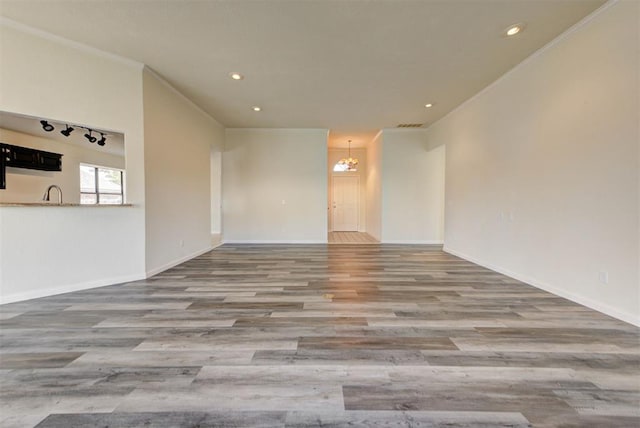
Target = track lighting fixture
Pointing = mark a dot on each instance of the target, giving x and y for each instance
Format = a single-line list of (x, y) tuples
[(46, 126), (67, 132), (90, 137), (68, 129)]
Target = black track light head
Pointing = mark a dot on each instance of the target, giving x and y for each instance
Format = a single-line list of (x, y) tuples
[(67, 132), (46, 126), (90, 137), (102, 141)]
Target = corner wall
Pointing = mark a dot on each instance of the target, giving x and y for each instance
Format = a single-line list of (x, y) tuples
[(178, 138), (542, 177), (412, 188), (374, 188), (274, 185)]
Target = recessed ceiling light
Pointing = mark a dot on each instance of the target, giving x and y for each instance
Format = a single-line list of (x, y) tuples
[(429, 105), (514, 29), (256, 108), (236, 76)]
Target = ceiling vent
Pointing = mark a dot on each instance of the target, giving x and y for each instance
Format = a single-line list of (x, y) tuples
[(410, 125)]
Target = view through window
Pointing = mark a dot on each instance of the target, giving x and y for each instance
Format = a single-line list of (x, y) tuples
[(101, 185)]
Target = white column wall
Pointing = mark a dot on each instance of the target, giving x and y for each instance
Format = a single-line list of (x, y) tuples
[(374, 188), (216, 192), (178, 141)]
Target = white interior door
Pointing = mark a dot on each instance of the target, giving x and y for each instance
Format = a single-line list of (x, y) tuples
[(346, 203)]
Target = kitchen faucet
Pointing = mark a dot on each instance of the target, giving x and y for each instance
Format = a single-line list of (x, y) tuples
[(47, 195)]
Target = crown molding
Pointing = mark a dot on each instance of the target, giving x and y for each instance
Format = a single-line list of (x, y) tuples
[(9, 23)]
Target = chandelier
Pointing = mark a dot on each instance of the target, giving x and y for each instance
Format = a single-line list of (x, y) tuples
[(349, 163)]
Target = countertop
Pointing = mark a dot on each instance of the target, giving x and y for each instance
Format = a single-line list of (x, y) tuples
[(53, 204)]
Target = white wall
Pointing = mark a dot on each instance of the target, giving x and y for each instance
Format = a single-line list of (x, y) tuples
[(412, 188), (28, 185), (274, 185), (542, 167), (373, 199), (51, 250), (334, 156), (45, 77), (178, 138), (216, 192)]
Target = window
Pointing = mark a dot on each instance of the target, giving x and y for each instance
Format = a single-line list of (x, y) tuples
[(344, 167), (341, 167), (101, 185)]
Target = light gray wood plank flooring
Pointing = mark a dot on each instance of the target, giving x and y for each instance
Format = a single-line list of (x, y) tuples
[(317, 335)]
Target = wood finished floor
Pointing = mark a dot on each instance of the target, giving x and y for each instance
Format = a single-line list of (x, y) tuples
[(307, 336)]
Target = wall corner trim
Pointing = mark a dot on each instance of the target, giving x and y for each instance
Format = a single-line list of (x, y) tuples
[(630, 318)]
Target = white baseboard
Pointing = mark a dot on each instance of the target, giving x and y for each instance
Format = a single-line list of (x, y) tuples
[(411, 242), (173, 263), (582, 300), (274, 241), (45, 292)]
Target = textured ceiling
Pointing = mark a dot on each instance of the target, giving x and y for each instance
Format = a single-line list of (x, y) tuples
[(350, 66)]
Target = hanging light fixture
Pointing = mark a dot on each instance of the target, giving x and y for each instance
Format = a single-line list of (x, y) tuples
[(349, 163)]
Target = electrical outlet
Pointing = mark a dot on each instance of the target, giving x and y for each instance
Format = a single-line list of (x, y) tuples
[(603, 277), (182, 243)]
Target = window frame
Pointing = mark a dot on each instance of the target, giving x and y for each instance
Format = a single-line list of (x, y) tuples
[(96, 176)]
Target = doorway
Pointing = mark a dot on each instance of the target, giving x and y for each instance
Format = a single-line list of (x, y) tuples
[(345, 203)]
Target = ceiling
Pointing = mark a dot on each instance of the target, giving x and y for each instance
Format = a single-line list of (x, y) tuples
[(353, 67)]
